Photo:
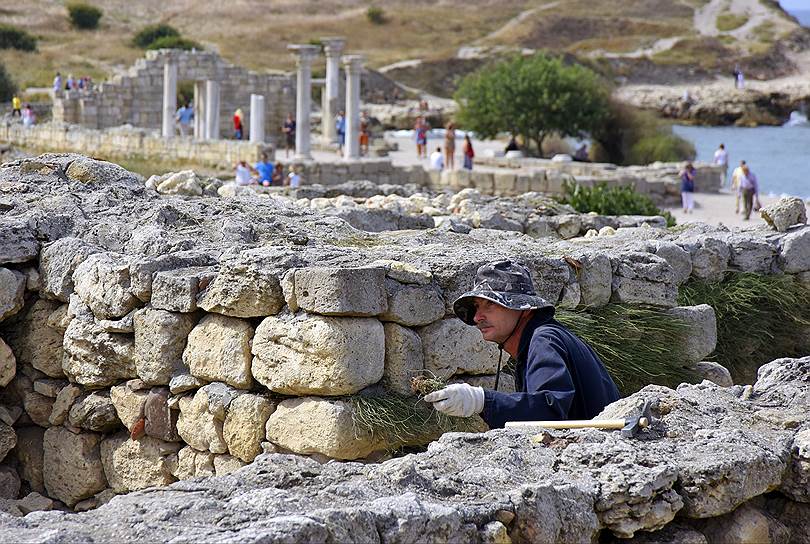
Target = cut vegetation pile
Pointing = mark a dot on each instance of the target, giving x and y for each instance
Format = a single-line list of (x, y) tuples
[(759, 318)]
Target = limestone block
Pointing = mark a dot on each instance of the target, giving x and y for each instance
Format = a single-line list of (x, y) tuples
[(18, 243), (160, 338), (594, 278), (701, 336), (192, 463), (308, 354), (9, 483), (38, 407), (404, 272), (184, 382), (451, 347), (58, 261), (142, 271), (35, 342), (225, 464), (129, 404), (61, 405), (750, 254), (678, 258), (8, 364), (87, 170), (643, 278), (198, 426), (8, 439), (796, 251), (177, 290), (94, 412), (29, 452), (218, 349), (102, 281), (784, 213), (125, 325), (311, 425), (130, 465), (412, 305), (341, 291), (244, 425), (796, 484), (12, 289), (566, 225), (714, 372), (709, 258), (72, 465), (243, 290), (180, 183), (96, 358), (404, 358)]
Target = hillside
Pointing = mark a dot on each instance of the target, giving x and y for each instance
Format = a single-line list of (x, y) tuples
[(635, 38)]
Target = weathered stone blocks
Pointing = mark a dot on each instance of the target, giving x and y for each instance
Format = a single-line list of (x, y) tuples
[(412, 305), (94, 412), (160, 338), (796, 251), (102, 281), (36, 341), (96, 358), (242, 290), (311, 425), (12, 288), (452, 347), (202, 417), (136, 464), (244, 428), (404, 358), (72, 468), (643, 278), (8, 364), (701, 336), (58, 261), (308, 354), (341, 291), (218, 349)]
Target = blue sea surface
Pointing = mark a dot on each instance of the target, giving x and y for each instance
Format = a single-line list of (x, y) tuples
[(779, 156)]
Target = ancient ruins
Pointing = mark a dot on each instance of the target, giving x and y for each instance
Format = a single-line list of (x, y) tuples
[(149, 338)]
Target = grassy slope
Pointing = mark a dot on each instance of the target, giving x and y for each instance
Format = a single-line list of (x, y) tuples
[(255, 33)]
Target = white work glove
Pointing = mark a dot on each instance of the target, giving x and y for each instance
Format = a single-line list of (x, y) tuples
[(458, 399)]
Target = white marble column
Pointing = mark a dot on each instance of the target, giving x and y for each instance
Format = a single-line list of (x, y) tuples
[(169, 98), (354, 67), (303, 102), (211, 110), (199, 110), (256, 119), (332, 47)]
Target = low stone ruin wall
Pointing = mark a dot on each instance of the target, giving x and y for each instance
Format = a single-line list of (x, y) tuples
[(719, 464), (150, 338)]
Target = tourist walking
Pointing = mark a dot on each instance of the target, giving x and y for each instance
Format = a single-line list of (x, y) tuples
[(450, 146), (264, 170), (740, 83), (512, 145), (184, 116), (749, 188), (469, 153), (57, 84), (28, 116), (289, 134), (736, 176), (688, 188), (437, 160), (721, 159), (16, 106), (238, 127), (340, 128), (420, 130)]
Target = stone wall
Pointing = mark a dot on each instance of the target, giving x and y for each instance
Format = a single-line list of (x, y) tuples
[(147, 339), (136, 96)]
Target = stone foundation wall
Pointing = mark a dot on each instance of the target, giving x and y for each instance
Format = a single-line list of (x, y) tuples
[(136, 96), (147, 339)]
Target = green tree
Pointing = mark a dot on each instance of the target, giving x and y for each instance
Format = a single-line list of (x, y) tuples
[(150, 33), (532, 97)]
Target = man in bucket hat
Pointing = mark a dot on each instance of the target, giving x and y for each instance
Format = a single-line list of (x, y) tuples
[(557, 375)]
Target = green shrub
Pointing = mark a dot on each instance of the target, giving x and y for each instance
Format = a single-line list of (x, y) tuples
[(376, 15), (150, 33), (83, 16), (174, 42), (727, 22), (759, 318), (14, 38), (660, 147), (7, 85), (607, 200)]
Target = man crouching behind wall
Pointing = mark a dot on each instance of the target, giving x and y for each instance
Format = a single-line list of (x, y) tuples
[(557, 375)]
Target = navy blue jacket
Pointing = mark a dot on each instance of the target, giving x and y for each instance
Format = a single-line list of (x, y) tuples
[(557, 376)]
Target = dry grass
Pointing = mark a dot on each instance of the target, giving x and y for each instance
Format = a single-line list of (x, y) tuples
[(726, 22)]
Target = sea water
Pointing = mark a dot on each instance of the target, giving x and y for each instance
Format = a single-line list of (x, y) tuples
[(779, 156)]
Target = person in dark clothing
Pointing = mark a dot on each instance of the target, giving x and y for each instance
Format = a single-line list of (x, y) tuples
[(557, 375)]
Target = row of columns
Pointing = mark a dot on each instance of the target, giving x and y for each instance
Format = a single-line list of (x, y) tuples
[(353, 65), (207, 101)]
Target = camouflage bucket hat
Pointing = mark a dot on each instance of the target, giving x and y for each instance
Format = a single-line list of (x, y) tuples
[(502, 282)]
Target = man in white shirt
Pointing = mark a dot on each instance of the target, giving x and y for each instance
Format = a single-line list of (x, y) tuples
[(437, 160), (721, 159)]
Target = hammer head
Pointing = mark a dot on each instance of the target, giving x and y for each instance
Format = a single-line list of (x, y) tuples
[(635, 424)]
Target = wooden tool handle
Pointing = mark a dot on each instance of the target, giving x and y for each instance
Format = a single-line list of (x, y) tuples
[(572, 424)]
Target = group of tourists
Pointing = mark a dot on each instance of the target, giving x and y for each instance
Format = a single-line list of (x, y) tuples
[(25, 113), (71, 83), (743, 184), (443, 159), (267, 174)]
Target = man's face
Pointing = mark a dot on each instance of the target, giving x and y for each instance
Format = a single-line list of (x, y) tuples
[(494, 321)]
